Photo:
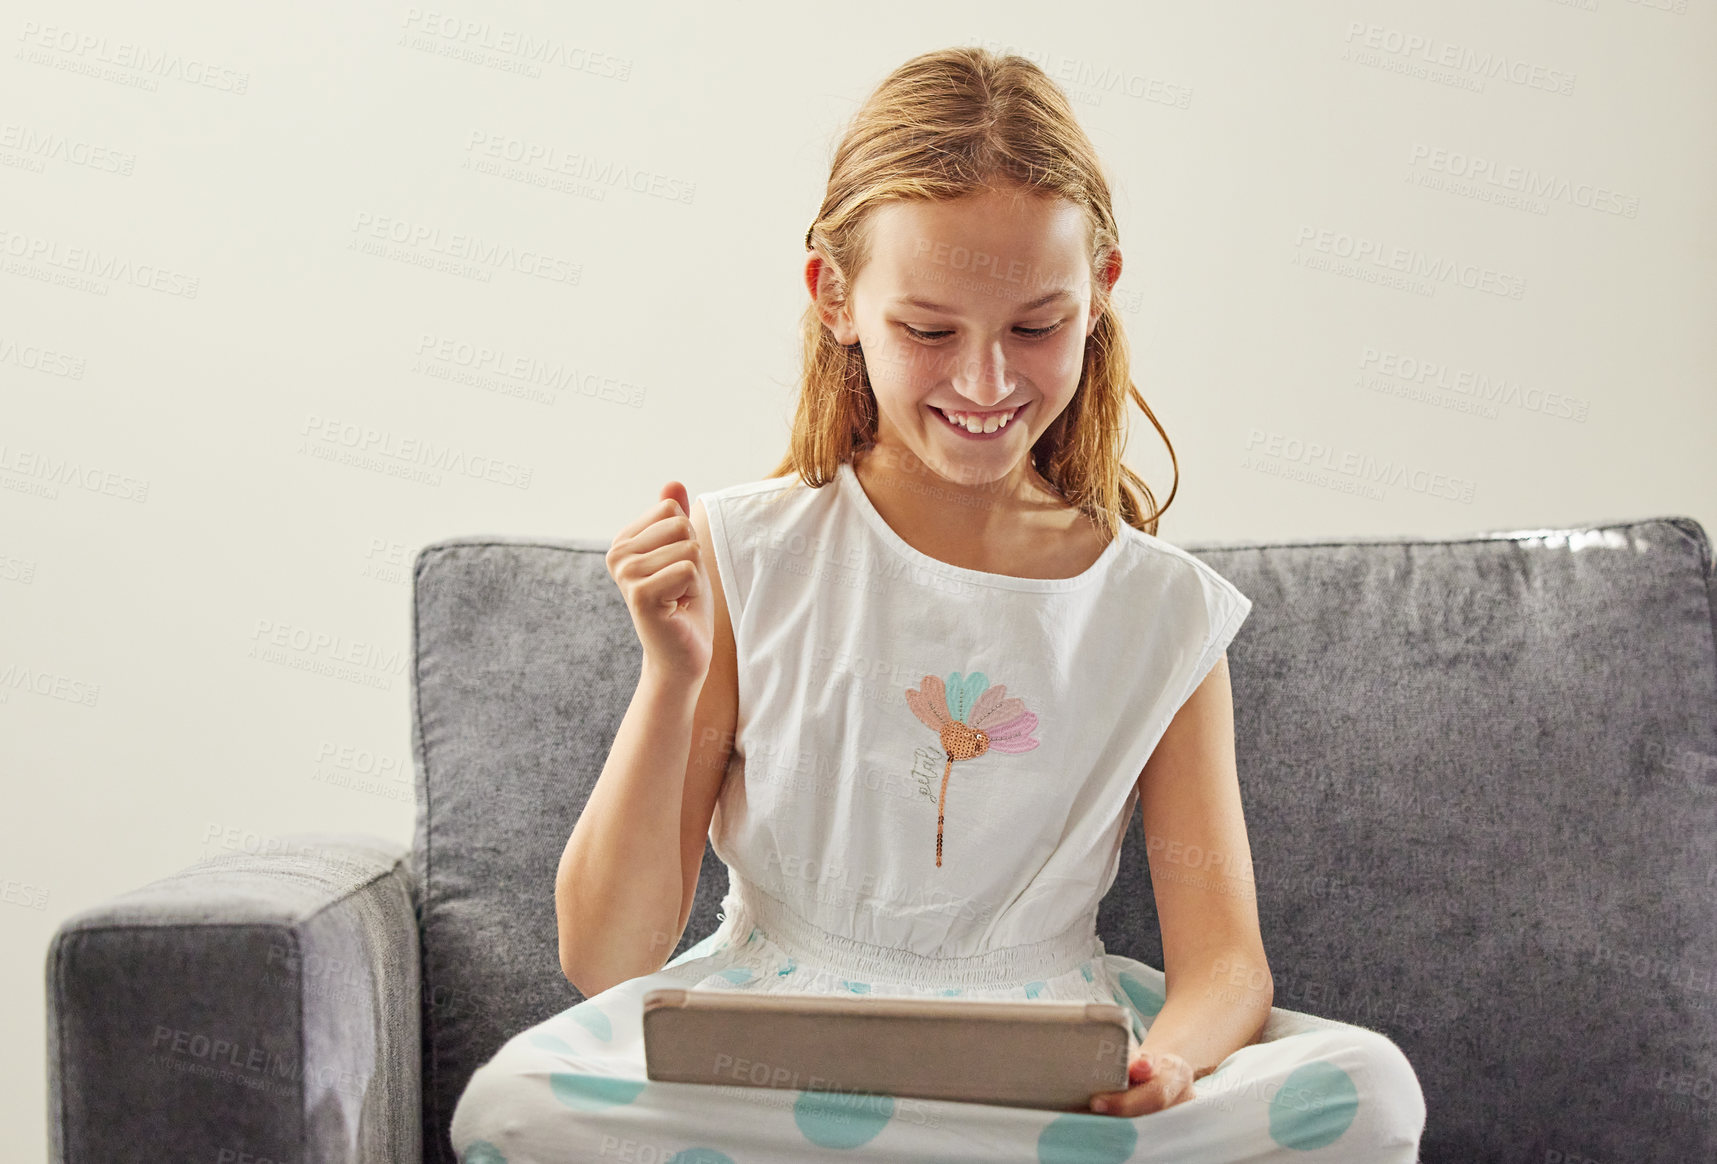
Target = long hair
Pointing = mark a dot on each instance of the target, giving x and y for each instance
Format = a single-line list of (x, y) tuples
[(947, 124)]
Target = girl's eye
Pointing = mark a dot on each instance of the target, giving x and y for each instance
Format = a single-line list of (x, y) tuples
[(1029, 332)]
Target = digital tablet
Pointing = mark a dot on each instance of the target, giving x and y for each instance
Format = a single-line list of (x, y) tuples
[(1051, 1054)]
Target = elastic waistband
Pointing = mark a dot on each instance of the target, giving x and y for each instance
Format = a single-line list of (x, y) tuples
[(746, 905)]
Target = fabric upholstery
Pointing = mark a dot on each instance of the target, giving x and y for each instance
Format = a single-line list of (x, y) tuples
[(248, 1007), (1479, 776)]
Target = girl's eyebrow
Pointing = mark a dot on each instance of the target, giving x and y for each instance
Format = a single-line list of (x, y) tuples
[(926, 305)]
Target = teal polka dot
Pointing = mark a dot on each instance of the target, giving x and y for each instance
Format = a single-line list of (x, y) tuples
[(737, 974), (1085, 970), (841, 1119), (1077, 1138), (548, 1042), (482, 1152), (1132, 1014), (1314, 1106), (1033, 989), (751, 937), (700, 1156), (787, 969), (697, 951), (592, 1020), (952, 990), (1147, 998), (593, 1092), (856, 987)]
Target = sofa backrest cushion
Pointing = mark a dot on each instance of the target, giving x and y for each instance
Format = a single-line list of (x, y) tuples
[(1479, 776)]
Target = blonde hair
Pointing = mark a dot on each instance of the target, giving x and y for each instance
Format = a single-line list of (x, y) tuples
[(947, 124)]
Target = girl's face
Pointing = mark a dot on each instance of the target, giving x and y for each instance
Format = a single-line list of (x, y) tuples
[(974, 310)]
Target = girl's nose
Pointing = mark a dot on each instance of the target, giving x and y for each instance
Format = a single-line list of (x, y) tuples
[(982, 379)]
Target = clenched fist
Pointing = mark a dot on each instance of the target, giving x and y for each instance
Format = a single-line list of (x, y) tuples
[(657, 562)]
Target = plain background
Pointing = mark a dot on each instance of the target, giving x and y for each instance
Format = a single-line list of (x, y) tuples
[(286, 294)]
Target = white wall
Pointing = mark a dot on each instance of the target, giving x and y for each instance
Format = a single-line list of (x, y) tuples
[(196, 285)]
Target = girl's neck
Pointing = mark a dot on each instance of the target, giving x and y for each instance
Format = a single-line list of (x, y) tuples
[(1002, 526), (903, 475)]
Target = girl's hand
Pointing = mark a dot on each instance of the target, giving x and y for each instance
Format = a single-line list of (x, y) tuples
[(657, 561), (1159, 1079)]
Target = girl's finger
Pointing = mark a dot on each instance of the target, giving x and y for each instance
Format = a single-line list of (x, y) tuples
[(1135, 1101)]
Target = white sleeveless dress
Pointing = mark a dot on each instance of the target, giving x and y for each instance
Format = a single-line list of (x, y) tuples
[(932, 771)]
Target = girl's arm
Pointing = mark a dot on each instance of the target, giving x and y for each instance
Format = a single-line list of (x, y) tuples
[(619, 883), (622, 892), (1219, 984)]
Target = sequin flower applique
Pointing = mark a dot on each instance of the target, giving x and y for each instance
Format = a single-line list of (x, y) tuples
[(971, 717)]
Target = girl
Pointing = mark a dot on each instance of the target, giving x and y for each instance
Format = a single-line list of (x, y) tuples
[(912, 686)]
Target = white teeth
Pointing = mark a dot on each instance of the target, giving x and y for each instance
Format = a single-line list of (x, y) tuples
[(980, 424)]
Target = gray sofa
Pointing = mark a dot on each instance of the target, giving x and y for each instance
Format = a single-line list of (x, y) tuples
[(1479, 775)]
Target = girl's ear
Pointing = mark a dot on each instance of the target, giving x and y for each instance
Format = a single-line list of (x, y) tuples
[(813, 270), (821, 279), (1110, 273), (841, 324)]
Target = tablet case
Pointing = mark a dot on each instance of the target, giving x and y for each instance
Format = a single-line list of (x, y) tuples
[(1052, 1054)]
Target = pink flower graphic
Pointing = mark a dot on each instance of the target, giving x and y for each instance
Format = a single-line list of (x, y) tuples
[(971, 717)]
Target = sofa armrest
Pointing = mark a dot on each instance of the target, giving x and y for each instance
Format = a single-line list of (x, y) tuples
[(249, 1007)]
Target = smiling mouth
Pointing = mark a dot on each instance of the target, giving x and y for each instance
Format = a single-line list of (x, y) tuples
[(980, 422)]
